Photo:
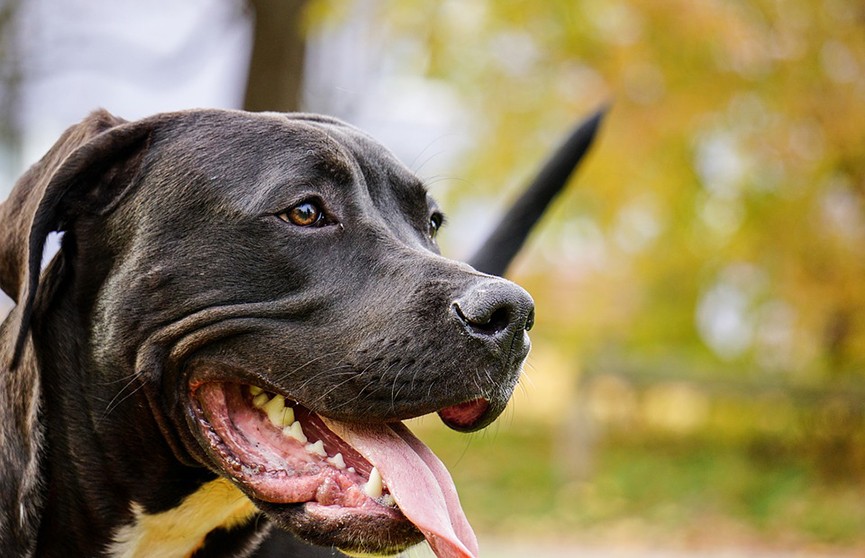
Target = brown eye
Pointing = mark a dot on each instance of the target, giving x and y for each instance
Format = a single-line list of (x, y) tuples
[(435, 223), (304, 214)]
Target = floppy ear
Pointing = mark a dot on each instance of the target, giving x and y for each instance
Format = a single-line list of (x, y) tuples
[(84, 165)]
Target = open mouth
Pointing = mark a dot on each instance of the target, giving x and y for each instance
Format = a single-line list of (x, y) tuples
[(371, 488)]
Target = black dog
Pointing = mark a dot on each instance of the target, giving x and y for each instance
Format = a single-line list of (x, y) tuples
[(493, 257), (243, 308)]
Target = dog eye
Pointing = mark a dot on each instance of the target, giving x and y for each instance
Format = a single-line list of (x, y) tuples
[(304, 214), (435, 223)]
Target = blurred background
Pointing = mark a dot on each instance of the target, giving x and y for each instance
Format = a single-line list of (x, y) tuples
[(696, 378)]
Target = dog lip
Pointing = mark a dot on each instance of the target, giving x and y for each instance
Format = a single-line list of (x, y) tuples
[(465, 416), (308, 496), (237, 427), (322, 525), (318, 502)]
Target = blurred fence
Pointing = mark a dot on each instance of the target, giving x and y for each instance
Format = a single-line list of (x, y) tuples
[(823, 424)]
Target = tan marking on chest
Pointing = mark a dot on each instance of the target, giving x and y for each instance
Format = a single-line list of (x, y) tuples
[(180, 531)]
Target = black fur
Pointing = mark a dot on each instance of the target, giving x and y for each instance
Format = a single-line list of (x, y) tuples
[(495, 255), (176, 268)]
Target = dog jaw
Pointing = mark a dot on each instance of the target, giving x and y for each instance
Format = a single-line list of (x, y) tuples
[(321, 479)]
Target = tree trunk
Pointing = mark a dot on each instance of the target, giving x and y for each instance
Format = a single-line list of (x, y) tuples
[(276, 69)]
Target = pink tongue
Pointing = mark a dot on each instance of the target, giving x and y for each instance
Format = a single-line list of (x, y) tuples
[(418, 481)]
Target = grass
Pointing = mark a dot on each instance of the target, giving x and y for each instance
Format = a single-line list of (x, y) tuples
[(695, 489)]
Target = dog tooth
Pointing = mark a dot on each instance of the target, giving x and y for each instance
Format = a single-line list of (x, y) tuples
[(373, 487), (255, 390), (295, 431), (260, 400), (274, 409), (388, 500), (317, 448), (337, 461), (287, 416), (351, 470)]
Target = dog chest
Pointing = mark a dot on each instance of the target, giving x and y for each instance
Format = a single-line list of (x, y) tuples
[(181, 531)]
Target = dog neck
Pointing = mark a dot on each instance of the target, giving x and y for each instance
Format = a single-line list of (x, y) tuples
[(113, 485), (123, 493)]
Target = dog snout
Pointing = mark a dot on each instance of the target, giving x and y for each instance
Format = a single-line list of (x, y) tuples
[(498, 313)]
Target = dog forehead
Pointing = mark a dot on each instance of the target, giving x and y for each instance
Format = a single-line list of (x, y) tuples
[(266, 152), (221, 139), (378, 165), (390, 184)]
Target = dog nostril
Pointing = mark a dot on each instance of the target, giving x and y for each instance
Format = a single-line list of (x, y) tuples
[(490, 321), (495, 308)]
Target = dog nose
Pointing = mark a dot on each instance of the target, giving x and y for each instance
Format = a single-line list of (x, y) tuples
[(497, 312)]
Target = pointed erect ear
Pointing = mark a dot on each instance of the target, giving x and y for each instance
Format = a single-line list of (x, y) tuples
[(92, 162)]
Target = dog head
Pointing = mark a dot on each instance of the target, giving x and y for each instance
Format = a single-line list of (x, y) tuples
[(268, 288)]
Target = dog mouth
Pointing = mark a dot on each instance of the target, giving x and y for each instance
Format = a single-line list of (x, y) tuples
[(370, 488)]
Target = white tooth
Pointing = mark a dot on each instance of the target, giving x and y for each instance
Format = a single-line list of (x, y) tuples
[(287, 416), (274, 409), (255, 390), (295, 431), (260, 400), (351, 470), (317, 448), (337, 461), (373, 488), (387, 500)]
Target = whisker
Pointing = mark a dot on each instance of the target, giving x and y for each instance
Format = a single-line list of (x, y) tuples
[(394, 392), (114, 403), (304, 365)]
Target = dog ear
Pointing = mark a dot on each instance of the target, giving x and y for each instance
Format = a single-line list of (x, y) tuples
[(90, 163)]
